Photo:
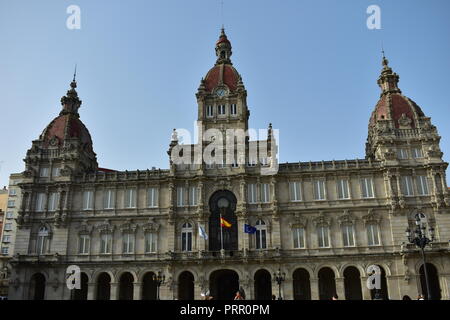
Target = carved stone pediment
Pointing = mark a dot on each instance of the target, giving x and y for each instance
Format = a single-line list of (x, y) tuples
[(105, 226), (128, 226), (404, 122), (371, 217), (298, 221), (347, 218), (85, 228), (321, 220), (150, 225)]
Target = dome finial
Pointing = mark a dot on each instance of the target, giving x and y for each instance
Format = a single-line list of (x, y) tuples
[(223, 48)]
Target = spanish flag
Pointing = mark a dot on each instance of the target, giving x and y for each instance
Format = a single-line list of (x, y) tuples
[(224, 223)]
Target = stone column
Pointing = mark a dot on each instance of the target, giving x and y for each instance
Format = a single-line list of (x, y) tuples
[(114, 293), (288, 289), (91, 291), (340, 289), (365, 291), (137, 291), (314, 288), (393, 289)]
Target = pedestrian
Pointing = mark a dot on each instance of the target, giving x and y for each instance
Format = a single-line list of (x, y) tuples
[(238, 296), (406, 297), (335, 297), (420, 297)]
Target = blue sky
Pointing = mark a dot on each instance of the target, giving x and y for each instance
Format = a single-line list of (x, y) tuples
[(310, 68)]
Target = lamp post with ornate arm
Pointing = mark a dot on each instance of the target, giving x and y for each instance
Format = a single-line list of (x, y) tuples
[(159, 279), (279, 278), (421, 240)]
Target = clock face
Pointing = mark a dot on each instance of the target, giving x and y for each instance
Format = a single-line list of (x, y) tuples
[(221, 92)]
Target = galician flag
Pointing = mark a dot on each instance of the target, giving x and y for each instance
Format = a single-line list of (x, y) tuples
[(202, 232), (224, 223)]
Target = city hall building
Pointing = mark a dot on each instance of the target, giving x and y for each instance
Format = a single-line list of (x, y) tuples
[(321, 224)]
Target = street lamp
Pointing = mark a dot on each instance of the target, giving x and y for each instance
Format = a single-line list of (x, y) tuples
[(421, 240), (279, 278), (159, 279)]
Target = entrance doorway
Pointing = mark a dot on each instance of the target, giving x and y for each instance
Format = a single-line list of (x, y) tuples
[(149, 287), (302, 285), (82, 293), (186, 286), (263, 285), (224, 284), (433, 279), (327, 284), (37, 287), (126, 286), (352, 284)]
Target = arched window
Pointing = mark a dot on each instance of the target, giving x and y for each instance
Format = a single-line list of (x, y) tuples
[(42, 241), (261, 230), (186, 237)]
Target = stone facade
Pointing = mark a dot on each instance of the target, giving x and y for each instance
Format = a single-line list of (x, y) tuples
[(322, 224)]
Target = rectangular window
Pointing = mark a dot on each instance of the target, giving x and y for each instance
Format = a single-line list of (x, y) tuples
[(402, 153), (150, 242), (193, 196), (41, 245), (221, 109), (422, 185), (88, 200), (152, 197), (11, 203), (105, 243), (251, 193), (181, 196), (8, 226), (372, 235), (407, 186), (261, 239), (343, 190), (295, 191), (6, 238), (323, 237), (108, 199), (53, 201), (84, 244), (5, 250), (128, 243), (348, 236), (209, 111), (319, 190), (298, 237), (130, 198), (43, 172), (233, 109), (56, 172), (40, 200), (417, 153), (265, 192), (367, 188), (9, 215), (12, 192), (186, 241)]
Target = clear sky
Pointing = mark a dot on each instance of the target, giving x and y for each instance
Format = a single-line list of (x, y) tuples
[(310, 68)]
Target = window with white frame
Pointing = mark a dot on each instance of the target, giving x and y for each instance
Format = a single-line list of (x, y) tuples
[(417, 152), (265, 192), (130, 198), (343, 189), (186, 237), (88, 200), (42, 241), (5, 250), (12, 192), (6, 238), (152, 197), (251, 190), (367, 188), (373, 234), (181, 196), (43, 172), (261, 234), (402, 153), (128, 242), (233, 109), (11, 203), (221, 109), (348, 235), (108, 199), (40, 201), (53, 200), (407, 186), (323, 234), (422, 185), (319, 189), (84, 244), (9, 215), (105, 242), (209, 111), (56, 171), (8, 226), (193, 195), (150, 242), (298, 235), (295, 191)]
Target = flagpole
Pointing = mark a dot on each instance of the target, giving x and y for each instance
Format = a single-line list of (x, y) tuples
[(221, 232)]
